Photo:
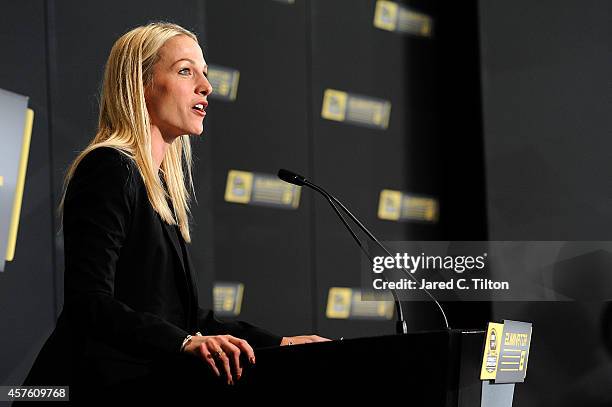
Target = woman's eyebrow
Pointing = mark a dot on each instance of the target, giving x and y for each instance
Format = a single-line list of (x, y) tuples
[(185, 59), (193, 63)]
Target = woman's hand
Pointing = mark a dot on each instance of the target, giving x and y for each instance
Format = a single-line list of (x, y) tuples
[(221, 353), (297, 340)]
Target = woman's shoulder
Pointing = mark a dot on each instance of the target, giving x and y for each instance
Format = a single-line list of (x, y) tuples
[(107, 155), (105, 167), (106, 160)]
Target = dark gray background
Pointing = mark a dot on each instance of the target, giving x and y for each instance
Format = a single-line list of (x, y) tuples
[(501, 115), (546, 93)]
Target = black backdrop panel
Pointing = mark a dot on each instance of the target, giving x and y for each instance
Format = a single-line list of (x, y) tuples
[(356, 163), (548, 155), (80, 47), (287, 55), (264, 129), (27, 283), (421, 152), (351, 55)]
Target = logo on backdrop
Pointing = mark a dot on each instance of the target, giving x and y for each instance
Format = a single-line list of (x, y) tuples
[(227, 298), (224, 82), (400, 206), (355, 109), (391, 16), (258, 189), (353, 303)]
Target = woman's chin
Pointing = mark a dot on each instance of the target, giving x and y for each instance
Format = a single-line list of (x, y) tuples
[(194, 131)]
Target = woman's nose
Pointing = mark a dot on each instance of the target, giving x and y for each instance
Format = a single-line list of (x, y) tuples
[(205, 87)]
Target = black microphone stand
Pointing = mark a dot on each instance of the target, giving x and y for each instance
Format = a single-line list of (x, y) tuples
[(293, 178), (400, 326)]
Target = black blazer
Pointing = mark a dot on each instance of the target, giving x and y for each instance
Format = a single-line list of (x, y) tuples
[(129, 296)]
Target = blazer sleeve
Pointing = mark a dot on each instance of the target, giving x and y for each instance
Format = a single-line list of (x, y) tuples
[(98, 207), (256, 337)]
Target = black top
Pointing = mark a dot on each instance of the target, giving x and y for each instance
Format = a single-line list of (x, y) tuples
[(130, 294)]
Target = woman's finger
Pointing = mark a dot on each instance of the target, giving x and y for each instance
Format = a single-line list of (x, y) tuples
[(223, 361), (208, 358), (244, 347), (233, 353)]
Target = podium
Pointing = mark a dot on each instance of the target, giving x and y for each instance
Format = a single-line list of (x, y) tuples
[(437, 368)]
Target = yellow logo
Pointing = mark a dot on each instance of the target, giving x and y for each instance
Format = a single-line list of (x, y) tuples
[(334, 105), (224, 82), (389, 204), (1, 180), (492, 351), (385, 15), (228, 298), (339, 303), (239, 186)]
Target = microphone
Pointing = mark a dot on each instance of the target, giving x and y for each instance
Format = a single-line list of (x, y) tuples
[(299, 180), (291, 177)]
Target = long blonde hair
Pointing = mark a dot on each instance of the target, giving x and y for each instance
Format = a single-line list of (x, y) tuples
[(124, 122)]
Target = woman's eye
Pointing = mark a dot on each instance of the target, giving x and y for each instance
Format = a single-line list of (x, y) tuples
[(184, 71)]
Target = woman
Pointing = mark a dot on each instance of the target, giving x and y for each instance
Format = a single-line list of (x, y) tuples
[(131, 305)]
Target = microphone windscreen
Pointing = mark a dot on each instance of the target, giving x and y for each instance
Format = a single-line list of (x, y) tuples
[(291, 177)]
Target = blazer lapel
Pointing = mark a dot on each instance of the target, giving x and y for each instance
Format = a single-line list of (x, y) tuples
[(186, 265), (185, 269), (171, 235), (169, 229), (186, 262), (192, 277)]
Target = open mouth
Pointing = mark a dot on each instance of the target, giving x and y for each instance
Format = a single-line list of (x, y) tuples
[(199, 109)]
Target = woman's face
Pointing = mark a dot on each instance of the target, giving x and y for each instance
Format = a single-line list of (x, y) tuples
[(177, 96)]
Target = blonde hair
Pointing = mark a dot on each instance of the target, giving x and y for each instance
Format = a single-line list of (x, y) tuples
[(124, 122)]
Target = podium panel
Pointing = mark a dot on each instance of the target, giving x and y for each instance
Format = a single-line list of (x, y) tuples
[(439, 368)]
